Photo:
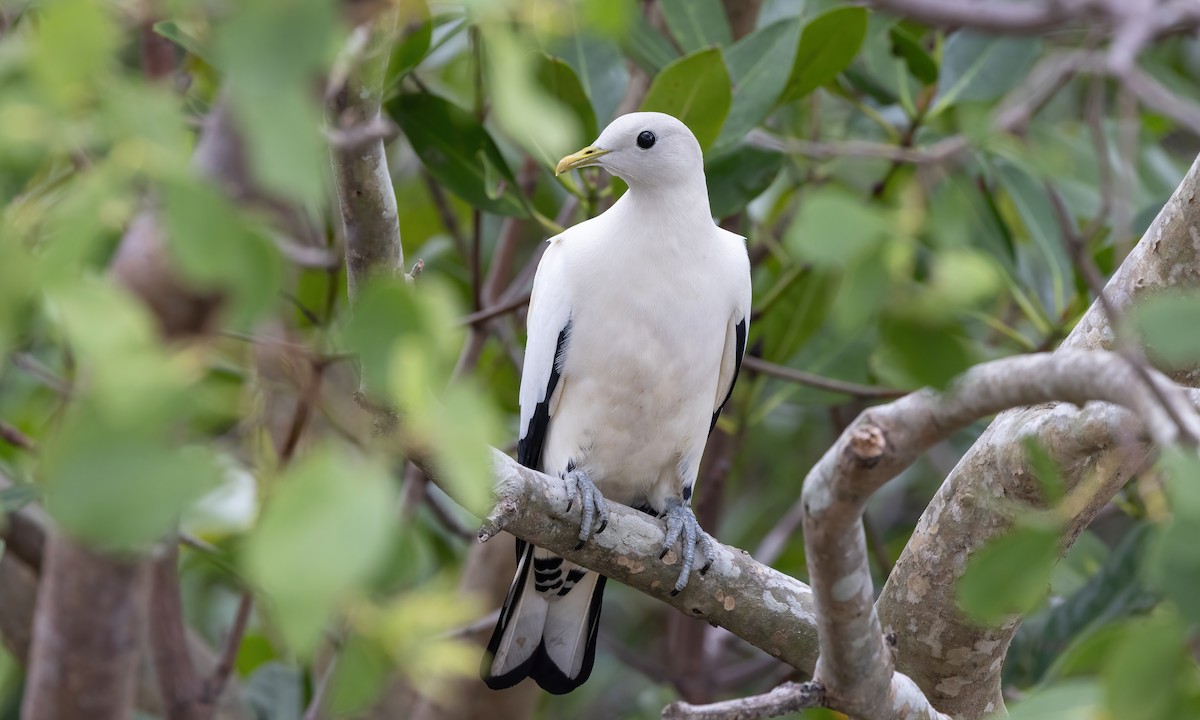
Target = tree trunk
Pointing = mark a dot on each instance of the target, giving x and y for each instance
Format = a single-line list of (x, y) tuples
[(86, 635)]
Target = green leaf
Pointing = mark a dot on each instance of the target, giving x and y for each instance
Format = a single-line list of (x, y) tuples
[(598, 64), (1047, 268), (1150, 674), (325, 530), (17, 496), (737, 176), (415, 35), (697, 24), (646, 47), (917, 352), (359, 677), (389, 315), (74, 50), (695, 89), (276, 692), (759, 65), (834, 228), (517, 95), (981, 68), (1074, 700), (560, 82), (1009, 576), (117, 487), (272, 52), (1045, 470), (908, 46), (218, 249), (1173, 562), (827, 47), (1044, 644), (450, 142), (172, 31), (1164, 320)]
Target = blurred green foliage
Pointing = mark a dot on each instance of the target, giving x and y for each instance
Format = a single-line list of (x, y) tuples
[(866, 270)]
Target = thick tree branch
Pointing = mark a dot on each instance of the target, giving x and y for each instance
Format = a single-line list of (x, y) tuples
[(856, 665), (86, 635), (360, 169), (759, 604), (787, 698), (955, 661)]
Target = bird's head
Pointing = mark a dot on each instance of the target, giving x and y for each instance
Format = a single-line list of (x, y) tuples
[(645, 149)]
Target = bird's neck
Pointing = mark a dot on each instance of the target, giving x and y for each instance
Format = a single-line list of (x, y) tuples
[(683, 203)]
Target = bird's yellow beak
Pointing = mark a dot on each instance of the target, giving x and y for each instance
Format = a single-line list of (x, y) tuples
[(584, 158)]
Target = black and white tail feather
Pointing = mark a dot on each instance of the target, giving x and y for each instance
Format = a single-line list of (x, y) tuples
[(547, 627)]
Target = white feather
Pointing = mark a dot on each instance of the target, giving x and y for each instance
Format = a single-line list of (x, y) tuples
[(566, 632), (524, 632)]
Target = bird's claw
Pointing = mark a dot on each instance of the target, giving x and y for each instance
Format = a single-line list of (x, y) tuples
[(682, 524), (593, 508)]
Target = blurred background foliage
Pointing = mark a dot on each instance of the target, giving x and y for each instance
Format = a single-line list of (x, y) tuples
[(885, 272)]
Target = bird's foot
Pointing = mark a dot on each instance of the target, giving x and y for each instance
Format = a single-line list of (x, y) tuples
[(591, 503), (682, 524)]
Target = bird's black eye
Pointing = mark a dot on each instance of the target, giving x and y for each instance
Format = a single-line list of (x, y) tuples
[(646, 140)]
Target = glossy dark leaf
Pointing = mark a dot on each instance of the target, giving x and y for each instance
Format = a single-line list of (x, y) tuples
[(737, 176), (415, 34), (1116, 591), (920, 63), (697, 24), (695, 89), (647, 47), (827, 47), (458, 151), (561, 83), (979, 68), (759, 66)]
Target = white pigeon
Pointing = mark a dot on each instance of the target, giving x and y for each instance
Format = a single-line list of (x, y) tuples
[(637, 326)]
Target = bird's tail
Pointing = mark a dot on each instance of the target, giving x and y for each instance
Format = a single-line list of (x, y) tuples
[(547, 627)]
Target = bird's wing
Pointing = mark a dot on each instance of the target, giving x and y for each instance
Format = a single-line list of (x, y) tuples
[(735, 341), (549, 327)]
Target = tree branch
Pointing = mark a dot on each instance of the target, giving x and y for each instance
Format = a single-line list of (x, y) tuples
[(856, 664), (955, 661), (1016, 18), (759, 604), (360, 169), (787, 698), (86, 635)]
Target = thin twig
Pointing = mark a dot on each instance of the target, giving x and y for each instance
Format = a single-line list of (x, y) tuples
[(215, 684), (11, 435), (313, 711), (496, 310), (771, 369), (43, 374)]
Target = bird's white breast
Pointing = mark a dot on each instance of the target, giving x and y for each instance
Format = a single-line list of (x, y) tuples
[(649, 318)]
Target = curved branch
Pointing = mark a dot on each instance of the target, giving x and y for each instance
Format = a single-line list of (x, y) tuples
[(856, 665), (759, 604), (955, 661)]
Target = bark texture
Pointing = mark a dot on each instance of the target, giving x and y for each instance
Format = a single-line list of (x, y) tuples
[(954, 661), (86, 635), (360, 169), (759, 604)]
